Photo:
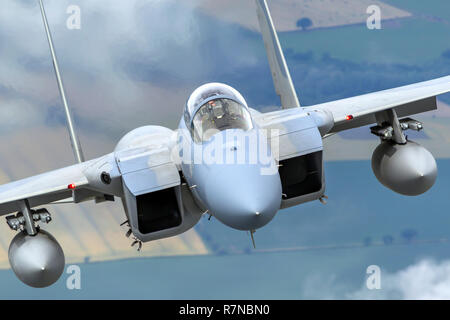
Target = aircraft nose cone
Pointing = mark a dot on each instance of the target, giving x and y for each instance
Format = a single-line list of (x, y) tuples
[(243, 198)]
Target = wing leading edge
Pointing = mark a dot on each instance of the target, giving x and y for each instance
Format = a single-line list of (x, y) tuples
[(80, 182), (344, 114), (43, 188), (406, 100)]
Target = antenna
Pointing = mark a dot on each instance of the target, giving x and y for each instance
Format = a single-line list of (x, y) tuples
[(76, 146), (253, 238)]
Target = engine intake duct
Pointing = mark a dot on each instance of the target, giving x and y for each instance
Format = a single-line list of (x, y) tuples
[(301, 175)]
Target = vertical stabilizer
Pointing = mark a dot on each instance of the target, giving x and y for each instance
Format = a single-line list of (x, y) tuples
[(280, 72), (76, 146)]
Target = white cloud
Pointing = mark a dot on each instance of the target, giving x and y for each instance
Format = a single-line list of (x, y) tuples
[(15, 112), (427, 279), (98, 62)]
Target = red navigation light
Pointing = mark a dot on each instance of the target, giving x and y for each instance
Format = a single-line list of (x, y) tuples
[(71, 186), (349, 117)]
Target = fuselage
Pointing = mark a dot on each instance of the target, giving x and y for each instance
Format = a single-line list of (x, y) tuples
[(226, 159), (232, 177)]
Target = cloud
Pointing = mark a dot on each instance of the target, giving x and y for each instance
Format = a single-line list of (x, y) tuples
[(425, 280), (15, 112), (132, 62), (323, 287)]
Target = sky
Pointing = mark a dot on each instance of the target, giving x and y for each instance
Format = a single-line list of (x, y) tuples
[(126, 62)]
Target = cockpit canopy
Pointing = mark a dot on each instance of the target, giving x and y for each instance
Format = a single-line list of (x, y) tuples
[(214, 107)]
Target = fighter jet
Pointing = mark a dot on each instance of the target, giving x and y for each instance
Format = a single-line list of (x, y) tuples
[(225, 160)]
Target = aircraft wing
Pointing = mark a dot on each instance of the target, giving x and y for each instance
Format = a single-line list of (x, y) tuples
[(76, 182), (292, 125), (361, 110), (40, 189)]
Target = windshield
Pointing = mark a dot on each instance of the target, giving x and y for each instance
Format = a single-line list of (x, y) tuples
[(218, 115)]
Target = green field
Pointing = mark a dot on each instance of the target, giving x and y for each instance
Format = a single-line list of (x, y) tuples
[(405, 41), (439, 8)]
